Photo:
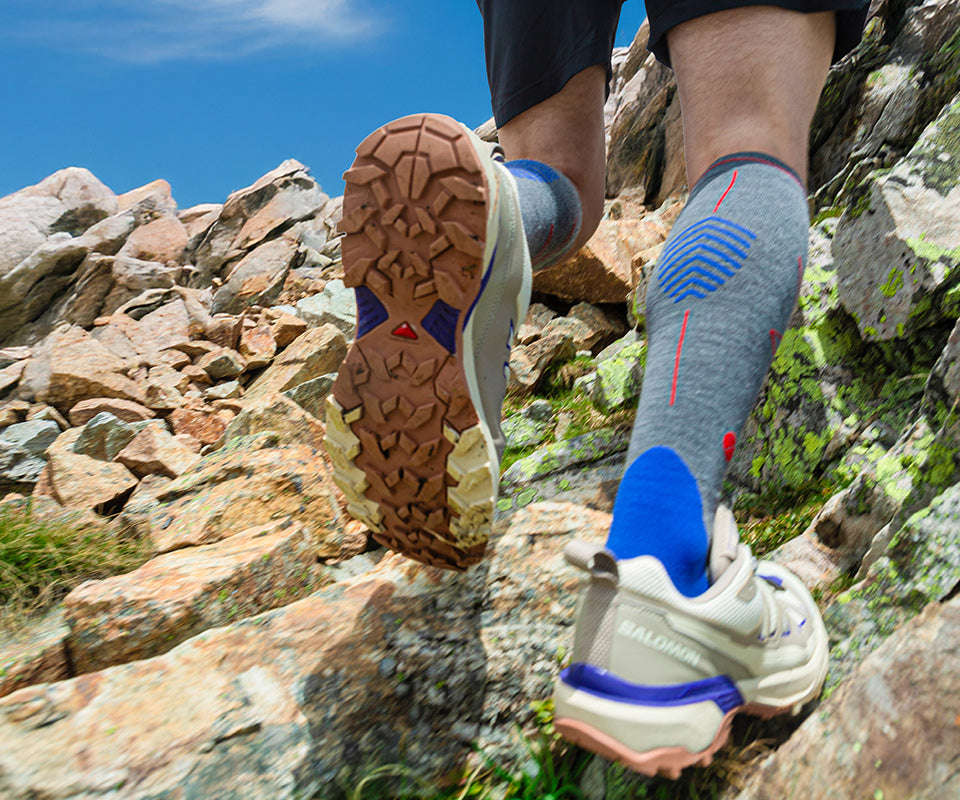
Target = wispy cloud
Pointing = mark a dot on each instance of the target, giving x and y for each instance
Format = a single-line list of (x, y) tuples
[(150, 31)]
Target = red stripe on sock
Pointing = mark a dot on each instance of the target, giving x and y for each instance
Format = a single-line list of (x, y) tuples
[(724, 195), (775, 338), (729, 444), (676, 360)]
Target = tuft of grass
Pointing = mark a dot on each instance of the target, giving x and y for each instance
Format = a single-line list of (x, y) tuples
[(43, 557), (774, 519)]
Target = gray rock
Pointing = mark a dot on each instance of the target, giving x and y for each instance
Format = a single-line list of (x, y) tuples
[(27, 289), (637, 133), (629, 338), (22, 446), (104, 436), (312, 395), (223, 391), (12, 355), (258, 278), (222, 364), (108, 235), (921, 565), (531, 426), (619, 377), (336, 304), (257, 214), (876, 102), (592, 484), (583, 449), (897, 251), (889, 731)]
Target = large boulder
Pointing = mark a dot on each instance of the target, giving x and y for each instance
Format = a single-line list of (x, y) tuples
[(38, 252), (897, 250), (72, 366), (177, 595), (890, 88), (256, 214), (889, 731), (248, 482)]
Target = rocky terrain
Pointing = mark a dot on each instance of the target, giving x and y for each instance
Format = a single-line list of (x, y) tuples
[(163, 373)]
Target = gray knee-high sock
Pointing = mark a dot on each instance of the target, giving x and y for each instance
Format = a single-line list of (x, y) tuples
[(722, 294), (550, 207)]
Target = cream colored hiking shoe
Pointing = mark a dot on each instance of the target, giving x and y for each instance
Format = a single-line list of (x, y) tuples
[(435, 250), (657, 677)]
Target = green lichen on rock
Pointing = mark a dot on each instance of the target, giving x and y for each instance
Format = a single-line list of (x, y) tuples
[(618, 379), (921, 565), (937, 155), (932, 252), (558, 456), (893, 284)]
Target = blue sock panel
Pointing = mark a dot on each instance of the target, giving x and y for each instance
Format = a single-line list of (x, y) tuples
[(550, 207), (658, 512)]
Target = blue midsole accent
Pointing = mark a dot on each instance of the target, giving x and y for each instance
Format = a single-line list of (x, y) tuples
[(597, 681)]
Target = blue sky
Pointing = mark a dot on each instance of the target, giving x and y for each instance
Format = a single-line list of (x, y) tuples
[(211, 94)]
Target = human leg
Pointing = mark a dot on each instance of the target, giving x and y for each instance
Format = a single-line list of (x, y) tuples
[(728, 276), (548, 65), (678, 631)]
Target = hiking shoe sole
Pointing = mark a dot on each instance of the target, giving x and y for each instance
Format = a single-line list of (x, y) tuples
[(405, 429)]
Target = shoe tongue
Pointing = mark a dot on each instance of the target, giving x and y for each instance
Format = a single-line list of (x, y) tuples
[(724, 543)]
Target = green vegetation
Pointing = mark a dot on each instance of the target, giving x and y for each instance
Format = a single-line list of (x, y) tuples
[(771, 519), (43, 557), (578, 412), (557, 770)]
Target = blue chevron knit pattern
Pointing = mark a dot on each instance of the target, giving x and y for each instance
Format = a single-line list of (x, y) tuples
[(717, 305), (550, 207)]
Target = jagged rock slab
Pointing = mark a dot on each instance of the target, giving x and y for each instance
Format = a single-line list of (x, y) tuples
[(921, 565), (316, 352), (38, 254), (897, 250), (248, 482), (34, 655), (891, 730), (74, 367), (583, 449), (404, 664), (335, 305), (529, 362), (177, 595), (593, 485), (278, 414), (22, 446), (83, 482)]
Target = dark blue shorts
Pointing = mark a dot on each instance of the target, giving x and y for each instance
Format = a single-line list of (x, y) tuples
[(533, 47)]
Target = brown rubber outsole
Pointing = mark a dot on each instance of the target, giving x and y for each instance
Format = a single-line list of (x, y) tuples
[(402, 431)]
